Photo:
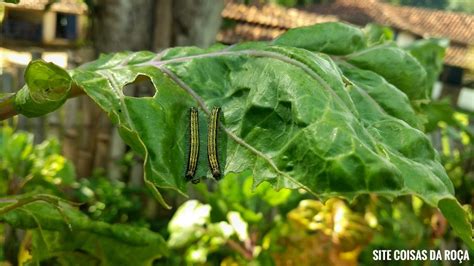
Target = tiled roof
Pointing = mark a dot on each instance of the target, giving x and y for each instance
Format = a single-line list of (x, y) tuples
[(65, 6), (248, 32), (460, 56), (458, 27), (273, 16), (269, 21)]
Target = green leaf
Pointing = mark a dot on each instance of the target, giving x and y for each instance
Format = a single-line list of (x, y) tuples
[(332, 38), (65, 229), (47, 88), (439, 111), (86, 248), (11, 1), (458, 219), (397, 66), (397, 105), (377, 34), (35, 165), (430, 54)]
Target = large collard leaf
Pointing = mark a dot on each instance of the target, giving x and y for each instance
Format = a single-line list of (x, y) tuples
[(293, 117), (61, 231)]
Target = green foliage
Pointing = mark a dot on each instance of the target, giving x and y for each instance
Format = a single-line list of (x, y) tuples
[(109, 200), (461, 6), (236, 193), (292, 235), (62, 229), (59, 232), (24, 166), (297, 118), (11, 1), (456, 144), (430, 54)]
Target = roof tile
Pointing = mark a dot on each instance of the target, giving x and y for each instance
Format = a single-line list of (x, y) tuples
[(269, 21), (66, 6)]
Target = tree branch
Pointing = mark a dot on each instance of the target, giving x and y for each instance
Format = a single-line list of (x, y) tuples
[(247, 254), (7, 109), (7, 106)]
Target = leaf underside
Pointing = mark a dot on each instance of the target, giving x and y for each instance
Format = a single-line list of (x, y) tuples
[(299, 113), (61, 231)]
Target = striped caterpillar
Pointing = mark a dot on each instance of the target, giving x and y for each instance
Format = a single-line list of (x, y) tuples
[(193, 154), (212, 155)]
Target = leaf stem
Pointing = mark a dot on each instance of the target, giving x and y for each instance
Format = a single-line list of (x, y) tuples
[(21, 202), (247, 254)]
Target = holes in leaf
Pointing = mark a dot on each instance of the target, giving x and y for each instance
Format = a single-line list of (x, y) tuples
[(241, 92), (289, 167), (140, 87)]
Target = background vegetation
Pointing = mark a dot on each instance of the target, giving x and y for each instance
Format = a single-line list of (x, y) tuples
[(51, 216)]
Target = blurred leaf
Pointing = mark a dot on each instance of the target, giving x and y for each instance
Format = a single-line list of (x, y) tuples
[(343, 232), (430, 54), (377, 34), (34, 166), (92, 248), (73, 230), (268, 194)]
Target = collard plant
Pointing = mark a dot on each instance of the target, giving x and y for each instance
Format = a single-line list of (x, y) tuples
[(330, 108)]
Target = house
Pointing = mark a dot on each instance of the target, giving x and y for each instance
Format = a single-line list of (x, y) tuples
[(41, 29), (244, 23), (36, 29), (39, 23)]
